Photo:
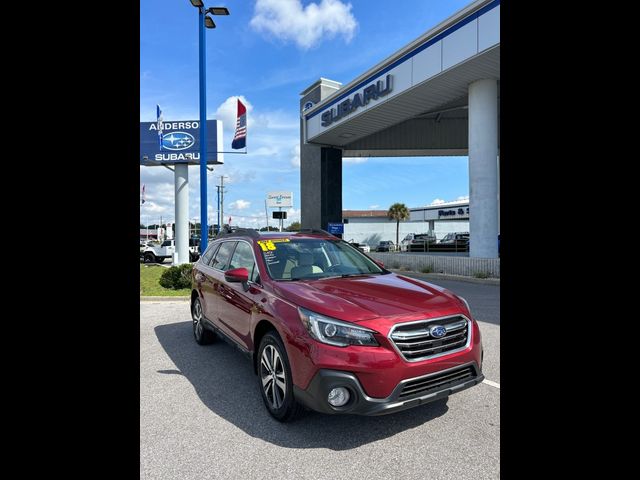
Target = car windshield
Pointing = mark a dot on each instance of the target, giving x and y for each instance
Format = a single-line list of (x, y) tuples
[(314, 258)]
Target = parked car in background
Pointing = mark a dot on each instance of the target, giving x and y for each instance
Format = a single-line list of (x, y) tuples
[(454, 241), (364, 248), (328, 328), (385, 246), (158, 253), (417, 242), (145, 243)]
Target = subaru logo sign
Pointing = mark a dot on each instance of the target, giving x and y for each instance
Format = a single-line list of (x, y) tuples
[(438, 331), (307, 106), (177, 141)]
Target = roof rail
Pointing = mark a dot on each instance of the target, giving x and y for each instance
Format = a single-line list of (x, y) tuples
[(239, 231), (314, 230)]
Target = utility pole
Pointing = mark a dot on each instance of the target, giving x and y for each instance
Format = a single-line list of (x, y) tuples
[(218, 210), (222, 177), (266, 214)]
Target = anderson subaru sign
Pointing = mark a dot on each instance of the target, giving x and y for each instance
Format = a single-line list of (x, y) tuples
[(180, 143)]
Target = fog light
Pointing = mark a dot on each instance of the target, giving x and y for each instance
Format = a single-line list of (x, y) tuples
[(338, 396)]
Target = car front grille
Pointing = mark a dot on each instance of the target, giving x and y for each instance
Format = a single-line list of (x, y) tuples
[(434, 383), (415, 342)]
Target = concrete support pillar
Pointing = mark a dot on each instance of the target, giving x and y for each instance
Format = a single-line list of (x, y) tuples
[(483, 168), (432, 225), (320, 169), (181, 254)]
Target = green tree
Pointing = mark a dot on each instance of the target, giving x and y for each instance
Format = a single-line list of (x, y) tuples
[(294, 227), (397, 212)]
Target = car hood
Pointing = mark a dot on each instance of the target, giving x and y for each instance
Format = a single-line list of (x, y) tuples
[(366, 297)]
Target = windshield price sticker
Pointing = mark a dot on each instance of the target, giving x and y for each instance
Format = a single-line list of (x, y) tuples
[(269, 244), (270, 257), (266, 245)]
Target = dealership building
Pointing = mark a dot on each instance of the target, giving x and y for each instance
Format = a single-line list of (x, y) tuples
[(437, 96), (372, 226)]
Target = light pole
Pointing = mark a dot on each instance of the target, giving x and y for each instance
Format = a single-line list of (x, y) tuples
[(204, 21)]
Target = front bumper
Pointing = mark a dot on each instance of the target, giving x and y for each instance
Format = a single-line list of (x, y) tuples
[(444, 384)]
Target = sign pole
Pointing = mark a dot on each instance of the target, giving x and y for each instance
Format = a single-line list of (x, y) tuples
[(204, 236)]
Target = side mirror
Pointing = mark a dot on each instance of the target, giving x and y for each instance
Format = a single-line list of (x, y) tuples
[(380, 264), (240, 275)]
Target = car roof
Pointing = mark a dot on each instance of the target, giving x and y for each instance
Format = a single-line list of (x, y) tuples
[(254, 234)]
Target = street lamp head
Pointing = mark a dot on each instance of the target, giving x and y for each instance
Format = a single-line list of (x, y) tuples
[(218, 10), (208, 22), (197, 3)]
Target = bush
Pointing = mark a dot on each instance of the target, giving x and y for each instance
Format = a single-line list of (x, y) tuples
[(427, 269), (481, 275), (177, 277)]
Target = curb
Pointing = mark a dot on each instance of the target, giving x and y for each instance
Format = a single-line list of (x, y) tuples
[(163, 299), (444, 276)]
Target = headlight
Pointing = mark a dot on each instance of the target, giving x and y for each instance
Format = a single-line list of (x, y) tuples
[(335, 332), (465, 302)]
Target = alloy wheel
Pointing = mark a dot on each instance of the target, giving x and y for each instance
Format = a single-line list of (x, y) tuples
[(197, 319), (273, 376)]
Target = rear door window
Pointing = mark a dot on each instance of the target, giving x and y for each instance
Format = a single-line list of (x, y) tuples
[(223, 255)]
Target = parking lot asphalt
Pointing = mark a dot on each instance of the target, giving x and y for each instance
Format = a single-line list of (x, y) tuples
[(202, 416)]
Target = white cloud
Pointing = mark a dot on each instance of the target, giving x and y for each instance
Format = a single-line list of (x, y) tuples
[(462, 198), (373, 207), (228, 112), (355, 159), (240, 204), (265, 150), (288, 20), (295, 156), (293, 215), (437, 201)]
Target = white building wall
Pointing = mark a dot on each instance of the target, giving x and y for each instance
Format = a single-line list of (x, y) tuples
[(373, 230)]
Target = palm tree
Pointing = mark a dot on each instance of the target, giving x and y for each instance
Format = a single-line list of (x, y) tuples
[(397, 212)]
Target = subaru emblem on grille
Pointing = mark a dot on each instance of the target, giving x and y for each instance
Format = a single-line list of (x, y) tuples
[(438, 331)]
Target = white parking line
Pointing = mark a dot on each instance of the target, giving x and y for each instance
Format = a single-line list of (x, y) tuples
[(493, 384)]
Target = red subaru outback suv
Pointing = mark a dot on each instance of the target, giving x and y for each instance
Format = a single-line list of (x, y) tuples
[(329, 328)]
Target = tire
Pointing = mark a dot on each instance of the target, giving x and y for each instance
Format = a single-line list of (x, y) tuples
[(283, 407), (149, 258), (200, 333)]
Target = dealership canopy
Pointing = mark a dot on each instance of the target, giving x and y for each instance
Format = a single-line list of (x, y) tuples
[(439, 95)]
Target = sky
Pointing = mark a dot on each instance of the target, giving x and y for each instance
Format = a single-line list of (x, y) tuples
[(266, 52)]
